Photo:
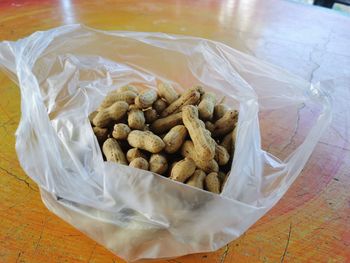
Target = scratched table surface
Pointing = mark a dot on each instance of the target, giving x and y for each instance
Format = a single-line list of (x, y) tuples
[(311, 223)]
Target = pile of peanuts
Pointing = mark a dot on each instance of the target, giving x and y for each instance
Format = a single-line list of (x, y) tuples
[(188, 138)]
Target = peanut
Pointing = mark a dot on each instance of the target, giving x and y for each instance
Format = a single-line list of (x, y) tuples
[(229, 141), (212, 183), (166, 91), (187, 150), (151, 115), (140, 163), (114, 96), (170, 167), (158, 164), (159, 105), (199, 89), (134, 153), (222, 178), (165, 124), (128, 88), (189, 97), (146, 140), (206, 106), (209, 126), (219, 111), (113, 152), (182, 170), (136, 118), (197, 179), (226, 123), (173, 164), (121, 131), (203, 143), (101, 134), (175, 138), (113, 113), (92, 116), (146, 98), (221, 155), (226, 142)]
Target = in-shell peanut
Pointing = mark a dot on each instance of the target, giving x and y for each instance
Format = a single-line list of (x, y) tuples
[(175, 138), (220, 110), (226, 142), (166, 91), (212, 183), (114, 96), (203, 143), (158, 164), (159, 105), (165, 124), (171, 166), (128, 88), (113, 152), (146, 98), (111, 114), (209, 126), (101, 134), (92, 116), (187, 150), (183, 170), (121, 131), (221, 155), (150, 115), (226, 123), (189, 97), (136, 118), (222, 178), (146, 140), (206, 106), (197, 179), (140, 163), (134, 153)]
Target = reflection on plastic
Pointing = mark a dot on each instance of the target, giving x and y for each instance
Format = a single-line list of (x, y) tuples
[(63, 75), (68, 14)]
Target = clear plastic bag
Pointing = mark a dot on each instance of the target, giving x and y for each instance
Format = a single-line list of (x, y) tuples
[(63, 75)]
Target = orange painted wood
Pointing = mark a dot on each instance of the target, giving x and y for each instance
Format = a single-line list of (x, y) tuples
[(312, 221)]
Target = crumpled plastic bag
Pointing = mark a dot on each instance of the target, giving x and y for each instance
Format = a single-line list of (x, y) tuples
[(63, 75)]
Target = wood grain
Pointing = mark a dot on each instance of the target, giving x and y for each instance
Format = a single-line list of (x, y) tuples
[(310, 224)]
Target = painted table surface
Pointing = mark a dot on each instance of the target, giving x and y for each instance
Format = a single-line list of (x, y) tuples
[(311, 223)]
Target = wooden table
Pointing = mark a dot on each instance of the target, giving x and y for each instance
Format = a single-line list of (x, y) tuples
[(310, 224)]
